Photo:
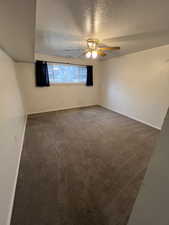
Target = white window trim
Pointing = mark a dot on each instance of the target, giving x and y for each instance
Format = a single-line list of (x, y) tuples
[(70, 83)]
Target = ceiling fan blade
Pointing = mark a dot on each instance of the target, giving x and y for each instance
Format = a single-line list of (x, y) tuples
[(101, 53), (82, 54), (110, 48)]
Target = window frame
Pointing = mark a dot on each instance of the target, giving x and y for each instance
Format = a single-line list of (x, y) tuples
[(66, 83)]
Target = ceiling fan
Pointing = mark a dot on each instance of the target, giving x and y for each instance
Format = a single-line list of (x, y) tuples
[(93, 49)]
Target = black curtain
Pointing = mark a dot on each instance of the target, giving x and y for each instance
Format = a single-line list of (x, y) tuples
[(89, 81), (42, 76)]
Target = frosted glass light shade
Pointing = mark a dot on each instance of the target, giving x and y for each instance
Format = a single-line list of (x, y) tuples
[(94, 54), (88, 54)]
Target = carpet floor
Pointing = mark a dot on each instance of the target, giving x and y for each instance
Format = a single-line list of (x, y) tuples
[(81, 167)]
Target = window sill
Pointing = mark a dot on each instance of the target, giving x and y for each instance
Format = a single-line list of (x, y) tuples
[(65, 84)]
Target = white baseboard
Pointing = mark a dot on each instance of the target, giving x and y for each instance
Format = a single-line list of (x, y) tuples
[(131, 117), (17, 171), (59, 109), (83, 106)]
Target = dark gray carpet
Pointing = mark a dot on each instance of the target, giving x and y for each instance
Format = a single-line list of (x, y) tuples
[(81, 167)]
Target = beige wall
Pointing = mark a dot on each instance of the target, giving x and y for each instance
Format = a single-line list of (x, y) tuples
[(59, 96), (137, 85), (12, 124), (152, 204)]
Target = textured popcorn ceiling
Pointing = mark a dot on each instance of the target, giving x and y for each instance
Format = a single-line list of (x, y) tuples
[(64, 25)]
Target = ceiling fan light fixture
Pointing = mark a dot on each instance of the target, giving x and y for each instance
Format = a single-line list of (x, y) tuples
[(94, 54), (90, 44), (88, 54)]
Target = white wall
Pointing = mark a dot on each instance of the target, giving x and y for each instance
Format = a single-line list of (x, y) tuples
[(152, 204), (12, 125), (137, 85), (59, 96)]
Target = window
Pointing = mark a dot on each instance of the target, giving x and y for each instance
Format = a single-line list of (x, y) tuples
[(66, 73)]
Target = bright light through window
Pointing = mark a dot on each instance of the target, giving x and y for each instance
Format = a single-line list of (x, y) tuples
[(66, 73)]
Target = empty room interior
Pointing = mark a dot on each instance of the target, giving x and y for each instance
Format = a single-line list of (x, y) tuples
[(84, 121)]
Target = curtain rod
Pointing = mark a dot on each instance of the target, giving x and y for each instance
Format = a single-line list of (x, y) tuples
[(64, 63)]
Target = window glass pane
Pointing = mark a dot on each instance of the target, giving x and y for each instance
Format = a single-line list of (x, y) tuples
[(62, 73)]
